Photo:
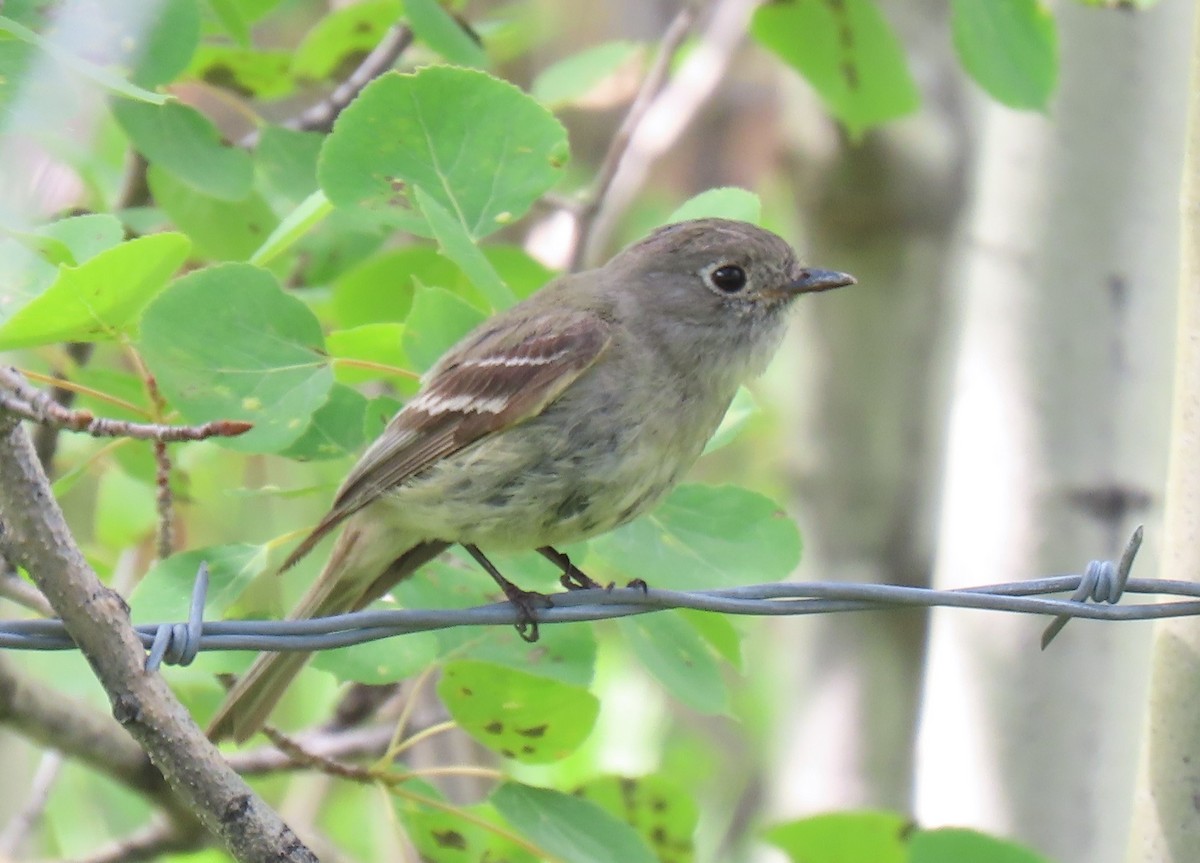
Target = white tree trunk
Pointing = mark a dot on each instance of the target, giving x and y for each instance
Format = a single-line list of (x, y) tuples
[(865, 373), (1166, 824), (1057, 438)]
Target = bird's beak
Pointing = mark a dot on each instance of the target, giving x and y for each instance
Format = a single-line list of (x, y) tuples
[(811, 281)]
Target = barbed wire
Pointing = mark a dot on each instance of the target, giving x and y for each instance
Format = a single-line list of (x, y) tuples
[(1102, 582)]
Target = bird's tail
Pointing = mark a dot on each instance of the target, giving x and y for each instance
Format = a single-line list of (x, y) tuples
[(353, 578)]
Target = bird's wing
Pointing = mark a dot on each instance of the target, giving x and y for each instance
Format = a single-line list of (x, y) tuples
[(488, 384)]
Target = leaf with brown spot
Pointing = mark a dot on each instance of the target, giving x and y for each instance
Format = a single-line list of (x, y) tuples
[(553, 717)]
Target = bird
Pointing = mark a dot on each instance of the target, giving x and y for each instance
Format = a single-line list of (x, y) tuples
[(561, 418)]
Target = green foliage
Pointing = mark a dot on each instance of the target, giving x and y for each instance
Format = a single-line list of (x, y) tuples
[(485, 162), (885, 837), (574, 77), (179, 140), (1011, 49), (847, 52), (303, 281), (100, 298), (522, 716), (569, 828), (227, 342)]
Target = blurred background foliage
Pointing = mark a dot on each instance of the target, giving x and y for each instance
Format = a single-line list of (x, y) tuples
[(188, 234)]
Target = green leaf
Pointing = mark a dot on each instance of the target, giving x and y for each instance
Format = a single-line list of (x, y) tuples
[(574, 77), (300, 221), (184, 142), (125, 509), (742, 409), (564, 653), (84, 236), (951, 845), (437, 321), (227, 343), (286, 162), (222, 230), (568, 828), (374, 344), (878, 837), (165, 48), (849, 54), (77, 64), (728, 202), (447, 837), (381, 288), (101, 297), (486, 160), (346, 33), (438, 29), (384, 661), (1010, 48), (457, 245), (663, 812), (679, 659), (517, 269), (164, 594), (335, 430), (701, 536), (531, 719), (250, 72), (233, 18)]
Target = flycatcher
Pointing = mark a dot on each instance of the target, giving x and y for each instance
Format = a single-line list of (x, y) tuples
[(565, 416)]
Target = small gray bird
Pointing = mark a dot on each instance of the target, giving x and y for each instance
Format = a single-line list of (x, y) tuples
[(565, 416)]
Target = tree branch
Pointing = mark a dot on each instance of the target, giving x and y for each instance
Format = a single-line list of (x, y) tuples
[(34, 534), (18, 590), (18, 397), (320, 117), (656, 76), (54, 720), (668, 116), (150, 843)]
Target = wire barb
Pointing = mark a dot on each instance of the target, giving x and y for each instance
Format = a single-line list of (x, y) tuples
[(178, 643), (1103, 581)]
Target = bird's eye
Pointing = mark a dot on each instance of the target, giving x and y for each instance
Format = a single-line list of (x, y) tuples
[(728, 278)]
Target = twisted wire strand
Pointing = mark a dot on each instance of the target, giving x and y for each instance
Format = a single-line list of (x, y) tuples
[(1102, 582)]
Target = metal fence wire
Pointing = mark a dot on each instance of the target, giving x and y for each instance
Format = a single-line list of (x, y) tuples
[(1103, 581)]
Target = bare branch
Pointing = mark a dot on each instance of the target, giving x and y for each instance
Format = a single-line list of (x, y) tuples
[(656, 76), (320, 117), (27, 817), (45, 439), (151, 843), (54, 720), (163, 501), (34, 534), (20, 591), (18, 397), (351, 743), (668, 115)]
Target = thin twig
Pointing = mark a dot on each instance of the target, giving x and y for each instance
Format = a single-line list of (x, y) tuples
[(322, 763), (27, 817), (163, 502), (668, 115), (154, 842), (134, 192), (320, 117), (18, 397), (50, 718), (656, 77), (20, 591), (35, 536), (45, 439), (342, 744)]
